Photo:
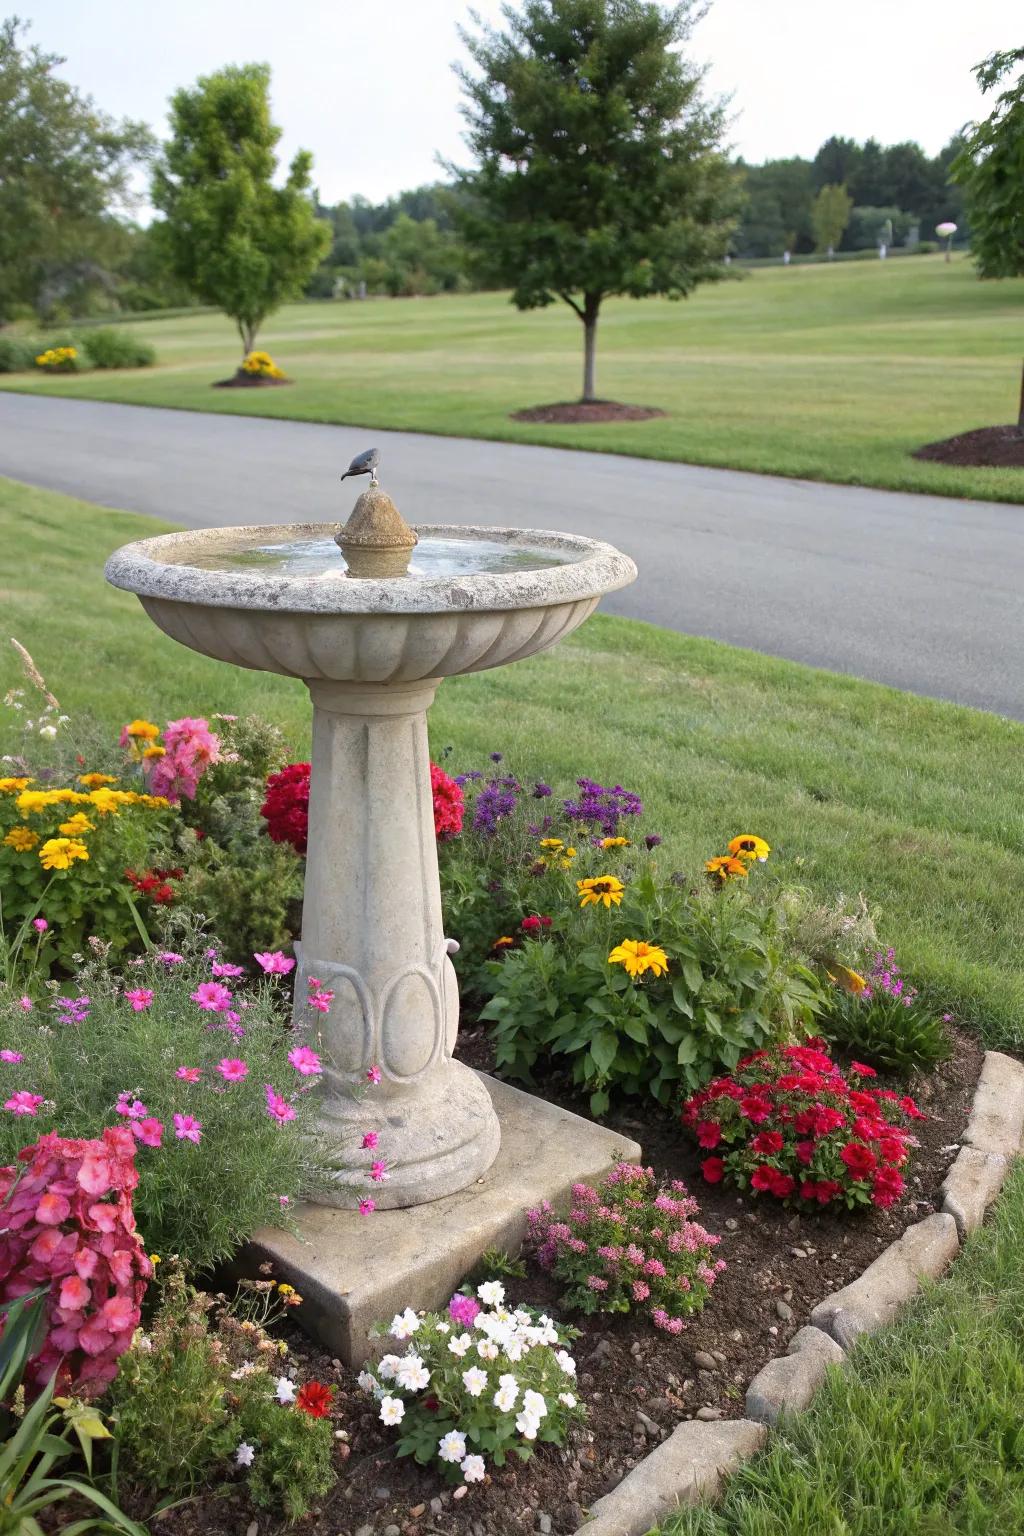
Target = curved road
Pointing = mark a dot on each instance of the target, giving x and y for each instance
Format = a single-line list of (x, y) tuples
[(920, 592)]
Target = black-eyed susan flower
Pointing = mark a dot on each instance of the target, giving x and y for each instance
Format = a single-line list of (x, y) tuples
[(637, 956), (598, 889), (726, 867), (747, 846)]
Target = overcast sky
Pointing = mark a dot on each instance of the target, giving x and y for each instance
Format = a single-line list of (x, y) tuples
[(367, 84)]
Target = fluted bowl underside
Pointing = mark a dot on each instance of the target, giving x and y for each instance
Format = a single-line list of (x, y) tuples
[(278, 599)]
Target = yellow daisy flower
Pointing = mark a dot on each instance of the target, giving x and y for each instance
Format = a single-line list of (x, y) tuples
[(21, 839), (76, 825), (747, 846), (636, 956), (615, 842), (61, 852), (13, 786), (598, 889), (725, 867), (96, 780)]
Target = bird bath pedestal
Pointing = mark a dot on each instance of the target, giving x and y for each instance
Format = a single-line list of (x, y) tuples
[(372, 649)]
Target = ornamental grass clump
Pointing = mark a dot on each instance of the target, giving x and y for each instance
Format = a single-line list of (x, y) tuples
[(67, 1224), (199, 1064), (476, 1385), (629, 1246), (789, 1123), (884, 1019)]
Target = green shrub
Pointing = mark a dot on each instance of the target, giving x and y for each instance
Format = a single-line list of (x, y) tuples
[(17, 355), (213, 1162), (730, 986), (886, 1022), (108, 347)]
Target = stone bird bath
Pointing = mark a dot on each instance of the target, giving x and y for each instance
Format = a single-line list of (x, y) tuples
[(372, 633)]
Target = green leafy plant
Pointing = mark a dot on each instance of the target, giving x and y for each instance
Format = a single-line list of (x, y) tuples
[(17, 354), (33, 1444), (729, 985), (107, 347), (885, 1021)]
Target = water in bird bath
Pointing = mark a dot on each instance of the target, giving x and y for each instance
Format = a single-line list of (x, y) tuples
[(433, 557)]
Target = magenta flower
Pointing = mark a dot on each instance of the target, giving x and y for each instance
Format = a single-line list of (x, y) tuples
[(371, 1139), (232, 1070), (221, 968), (149, 1132), (305, 1061), (367, 1206), (379, 1171), (321, 1001), (168, 957), (26, 1004), (22, 1103), (464, 1309), (133, 1108), (188, 1074), (13, 1056), (284, 1201), (373, 1074), (40, 924), (187, 1128), (277, 1108), (212, 996), (275, 962), (141, 999)]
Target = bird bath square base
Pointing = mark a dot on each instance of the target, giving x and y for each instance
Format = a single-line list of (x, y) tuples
[(353, 1271)]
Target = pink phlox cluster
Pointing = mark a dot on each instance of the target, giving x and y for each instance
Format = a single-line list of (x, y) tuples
[(464, 1309), (68, 1224), (190, 748)]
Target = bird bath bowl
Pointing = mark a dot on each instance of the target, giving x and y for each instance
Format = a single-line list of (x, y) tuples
[(372, 651)]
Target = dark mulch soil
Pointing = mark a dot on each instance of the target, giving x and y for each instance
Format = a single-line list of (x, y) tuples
[(637, 1383), (243, 380), (579, 411), (993, 447)]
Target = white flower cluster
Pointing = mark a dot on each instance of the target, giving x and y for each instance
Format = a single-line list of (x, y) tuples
[(497, 1334)]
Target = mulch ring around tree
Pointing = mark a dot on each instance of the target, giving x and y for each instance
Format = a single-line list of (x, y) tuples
[(582, 411), (243, 380), (992, 447), (637, 1383)]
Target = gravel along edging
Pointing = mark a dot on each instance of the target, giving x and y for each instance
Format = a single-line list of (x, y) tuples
[(691, 1464)]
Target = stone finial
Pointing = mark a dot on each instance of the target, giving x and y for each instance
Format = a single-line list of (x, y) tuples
[(376, 540)]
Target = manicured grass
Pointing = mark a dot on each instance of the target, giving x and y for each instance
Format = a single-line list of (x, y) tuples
[(830, 372), (919, 804), (923, 1435)]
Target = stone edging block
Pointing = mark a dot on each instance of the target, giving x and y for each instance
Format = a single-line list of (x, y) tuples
[(788, 1383), (996, 1122), (872, 1300), (971, 1185), (686, 1467)]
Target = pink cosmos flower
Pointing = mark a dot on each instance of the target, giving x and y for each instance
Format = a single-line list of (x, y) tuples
[(141, 999), (370, 1139), (22, 1103), (367, 1206), (221, 968), (188, 1074), (212, 997), (232, 1070), (149, 1132), (40, 924), (274, 962), (13, 1056), (278, 1108), (305, 1061), (379, 1171), (373, 1074), (187, 1128)]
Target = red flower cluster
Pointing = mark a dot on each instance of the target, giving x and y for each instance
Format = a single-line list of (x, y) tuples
[(154, 883), (789, 1124), (68, 1223), (286, 807), (534, 926)]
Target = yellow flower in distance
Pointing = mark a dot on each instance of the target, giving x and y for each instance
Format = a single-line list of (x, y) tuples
[(21, 839), (142, 730), (615, 842), (551, 843), (850, 981), (636, 956), (61, 852), (96, 780), (747, 846), (13, 786), (725, 867), (76, 825), (600, 888)]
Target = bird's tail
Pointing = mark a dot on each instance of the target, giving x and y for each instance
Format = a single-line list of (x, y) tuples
[(346, 474)]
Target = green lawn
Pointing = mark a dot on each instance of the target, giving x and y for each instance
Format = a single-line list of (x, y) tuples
[(923, 1435), (831, 372), (917, 803)]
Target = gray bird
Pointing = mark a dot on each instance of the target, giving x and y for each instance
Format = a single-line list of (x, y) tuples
[(364, 464)]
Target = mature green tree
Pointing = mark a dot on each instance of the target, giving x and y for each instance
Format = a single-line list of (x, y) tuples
[(830, 214), (836, 162), (600, 167), (238, 241), (65, 176)]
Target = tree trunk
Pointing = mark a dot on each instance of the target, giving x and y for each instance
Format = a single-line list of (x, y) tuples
[(592, 304), (247, 332)]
